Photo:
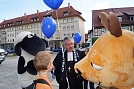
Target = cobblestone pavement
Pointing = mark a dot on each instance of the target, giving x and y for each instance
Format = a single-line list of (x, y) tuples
[(8, 74)]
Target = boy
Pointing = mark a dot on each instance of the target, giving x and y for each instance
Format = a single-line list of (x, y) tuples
[(43, 64)]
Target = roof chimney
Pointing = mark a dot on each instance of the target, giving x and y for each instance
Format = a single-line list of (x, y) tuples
[(37, 11), (25, 15), (69, 5)]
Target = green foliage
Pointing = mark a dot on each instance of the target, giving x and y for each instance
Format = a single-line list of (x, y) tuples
[(94, 39)]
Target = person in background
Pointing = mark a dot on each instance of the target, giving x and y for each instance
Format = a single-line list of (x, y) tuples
[(91, 84), (64, 66)]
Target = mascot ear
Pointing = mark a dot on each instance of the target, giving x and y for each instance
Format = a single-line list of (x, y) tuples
[(46, 42), (18, 49)]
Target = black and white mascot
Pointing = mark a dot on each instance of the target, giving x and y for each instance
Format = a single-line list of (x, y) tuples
[(27, 45)]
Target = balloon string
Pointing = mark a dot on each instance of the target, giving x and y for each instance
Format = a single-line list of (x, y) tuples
[(59, 29), (48, 43), (57, 20)]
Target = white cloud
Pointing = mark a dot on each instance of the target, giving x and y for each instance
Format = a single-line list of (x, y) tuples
[(101, 5)]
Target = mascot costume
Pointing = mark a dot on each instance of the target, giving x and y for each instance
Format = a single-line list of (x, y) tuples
[(112, 57), (27, 45)]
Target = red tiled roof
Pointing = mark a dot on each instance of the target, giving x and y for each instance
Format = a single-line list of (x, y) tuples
[(124, 12), (27, 18)]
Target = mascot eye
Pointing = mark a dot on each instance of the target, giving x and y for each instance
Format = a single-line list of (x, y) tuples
[(97, 67), (96, 61)]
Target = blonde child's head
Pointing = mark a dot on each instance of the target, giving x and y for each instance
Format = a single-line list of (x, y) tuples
[(43, 61)]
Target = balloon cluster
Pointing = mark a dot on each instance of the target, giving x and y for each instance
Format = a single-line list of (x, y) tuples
[(48, 24)]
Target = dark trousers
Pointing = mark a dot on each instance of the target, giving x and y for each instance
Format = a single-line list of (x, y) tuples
[(91, 85)]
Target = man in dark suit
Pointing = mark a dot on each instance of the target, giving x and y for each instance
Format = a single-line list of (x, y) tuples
[(64, 66)]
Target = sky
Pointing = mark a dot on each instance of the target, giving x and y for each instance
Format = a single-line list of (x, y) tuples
[(16, 8)]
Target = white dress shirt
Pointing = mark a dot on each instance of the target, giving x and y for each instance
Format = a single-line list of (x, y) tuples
[(70, 56)]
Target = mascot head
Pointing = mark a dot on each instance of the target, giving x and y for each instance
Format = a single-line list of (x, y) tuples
[(29, 42), (110, 61)]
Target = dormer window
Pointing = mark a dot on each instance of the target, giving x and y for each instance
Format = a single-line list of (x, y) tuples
[(20, 22), (10, 24), (65, 13), (34, 19), (48, 15), (120, 18), (131, 18)]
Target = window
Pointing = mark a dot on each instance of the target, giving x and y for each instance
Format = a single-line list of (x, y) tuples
[(64, 35), (64, 28), (131, 18), (22, 27), (68, 34), (72, 19), (68, 28), (68, 20), (20, 22), (31, 26), (120, 19), (57, 36), (99, 32), (72, 34), (126, 28), (12, 34), (65, 13), (72, 27), (35, 31), (27, 26), (64, 21)]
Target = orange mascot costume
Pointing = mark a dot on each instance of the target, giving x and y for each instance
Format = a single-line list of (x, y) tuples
[(112, 57)]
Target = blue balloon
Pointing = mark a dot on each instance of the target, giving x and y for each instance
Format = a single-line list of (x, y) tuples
[(53, 4), (48, 27), (77, 37)]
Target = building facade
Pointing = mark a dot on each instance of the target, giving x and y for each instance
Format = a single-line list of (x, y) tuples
[(68, 20), (125, 16)]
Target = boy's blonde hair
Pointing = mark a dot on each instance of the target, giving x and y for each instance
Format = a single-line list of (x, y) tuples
[(41, 60)]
